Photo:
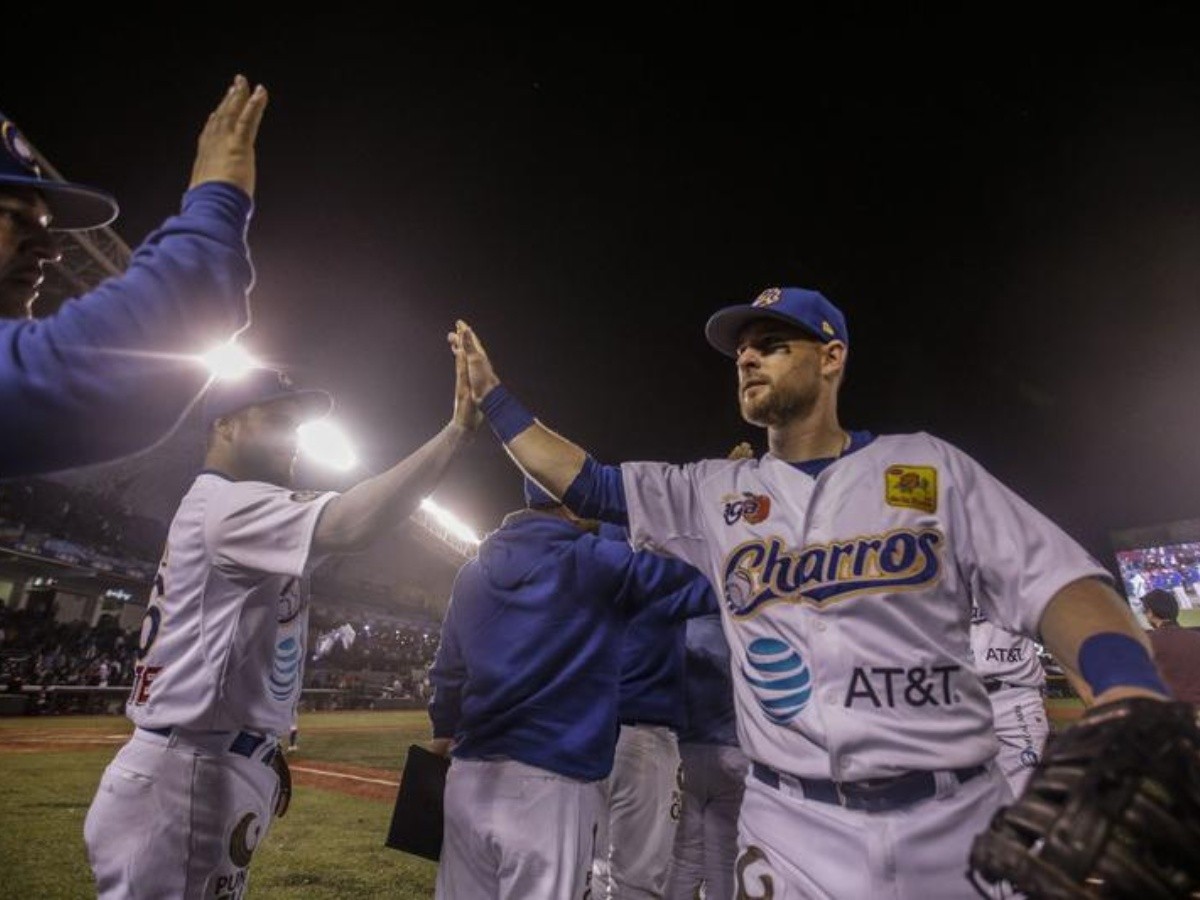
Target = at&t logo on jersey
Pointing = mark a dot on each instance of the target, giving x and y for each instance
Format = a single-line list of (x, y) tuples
[(759, 572), (892, 686), (779, 679), (746, 507), (285, 669)]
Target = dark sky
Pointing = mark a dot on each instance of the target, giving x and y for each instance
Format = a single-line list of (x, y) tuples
[(1007, 209)]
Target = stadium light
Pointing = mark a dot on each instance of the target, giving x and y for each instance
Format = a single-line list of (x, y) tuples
[(450, 522), (229, 360), (326, 443)]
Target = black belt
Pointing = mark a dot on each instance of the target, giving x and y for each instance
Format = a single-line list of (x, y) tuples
[(243, 744), (994, 684), (874, 795)]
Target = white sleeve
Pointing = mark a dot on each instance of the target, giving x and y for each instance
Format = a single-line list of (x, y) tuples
[(1015, 557), (264, 528), (664, 509)]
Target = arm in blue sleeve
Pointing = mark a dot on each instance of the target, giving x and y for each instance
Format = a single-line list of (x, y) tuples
[(113, 370), (447, 676), (644, 577), (598, 493), (697, 598)]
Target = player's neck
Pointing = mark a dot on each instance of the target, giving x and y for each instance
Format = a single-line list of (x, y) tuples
[(801, 440)]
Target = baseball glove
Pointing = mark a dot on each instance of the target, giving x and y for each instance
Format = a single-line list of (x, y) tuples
[(1113, 810)]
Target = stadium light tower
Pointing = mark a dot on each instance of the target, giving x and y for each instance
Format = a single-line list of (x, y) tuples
[(326, 443), (229, 360)]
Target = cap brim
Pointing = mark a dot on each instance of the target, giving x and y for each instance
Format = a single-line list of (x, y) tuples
[(314, 404), (73, 207), (725, 326)]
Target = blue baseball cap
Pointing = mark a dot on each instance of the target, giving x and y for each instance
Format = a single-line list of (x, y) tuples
[(226, 396), (73, 207), (809, 310), (536, 498)]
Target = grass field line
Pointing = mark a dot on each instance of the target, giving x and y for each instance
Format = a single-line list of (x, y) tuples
[(326, 773), (58, 737)]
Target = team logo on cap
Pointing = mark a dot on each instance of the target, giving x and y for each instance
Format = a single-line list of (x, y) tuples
[(19, 147), (768, 297), (827, 328), (914, 487)]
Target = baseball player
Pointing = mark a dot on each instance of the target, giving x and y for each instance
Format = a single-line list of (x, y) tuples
[(525, 697), (1014, 678), (642, 808), (114, 354), (847, 563), (220, 659), (714, 770)]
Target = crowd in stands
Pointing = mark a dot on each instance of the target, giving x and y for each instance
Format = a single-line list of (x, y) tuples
[(53, 520), (378, 644), (385, 657), (37, 650), (383, 653)]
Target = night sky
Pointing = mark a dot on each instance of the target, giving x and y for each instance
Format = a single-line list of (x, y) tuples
[(1008, 211)]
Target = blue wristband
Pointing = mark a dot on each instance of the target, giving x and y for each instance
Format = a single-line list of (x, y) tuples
[(1110, 660), (505, 414)]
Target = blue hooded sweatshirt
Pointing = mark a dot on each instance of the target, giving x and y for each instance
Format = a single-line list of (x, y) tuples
[(529, 662), (710, 717), (652, 650)]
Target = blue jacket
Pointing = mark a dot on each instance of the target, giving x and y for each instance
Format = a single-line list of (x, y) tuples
[(529, 665), (652, 649), (113, 371), (710, 717)]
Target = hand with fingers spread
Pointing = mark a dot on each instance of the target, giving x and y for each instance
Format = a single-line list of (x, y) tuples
[(225, 150)]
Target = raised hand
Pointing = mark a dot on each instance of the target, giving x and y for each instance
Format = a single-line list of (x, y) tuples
[(466, 407), (466, 347), (225, 149)]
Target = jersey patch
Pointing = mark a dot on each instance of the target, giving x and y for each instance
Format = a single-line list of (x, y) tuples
[(745, 507), (779, 678), (304, 496), (912, 487)]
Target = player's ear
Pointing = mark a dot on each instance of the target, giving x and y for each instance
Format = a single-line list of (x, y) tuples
[(223, 428), (833, 357)]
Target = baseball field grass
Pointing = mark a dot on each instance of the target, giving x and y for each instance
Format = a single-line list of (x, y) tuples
[(330, 844)]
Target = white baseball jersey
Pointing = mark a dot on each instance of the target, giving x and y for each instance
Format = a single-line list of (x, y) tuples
[(223, 640), (847, 596), (1003, 654)]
